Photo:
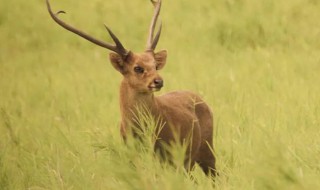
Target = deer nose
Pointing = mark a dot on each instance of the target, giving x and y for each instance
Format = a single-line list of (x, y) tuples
[(158, 83)]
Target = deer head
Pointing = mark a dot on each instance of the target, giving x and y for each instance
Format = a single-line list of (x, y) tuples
[(140, 70)]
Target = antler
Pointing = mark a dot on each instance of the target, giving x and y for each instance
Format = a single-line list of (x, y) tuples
[(152, 42), (118, 48)]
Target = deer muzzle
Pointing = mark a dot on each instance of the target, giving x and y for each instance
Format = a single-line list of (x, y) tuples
[(156, 84)]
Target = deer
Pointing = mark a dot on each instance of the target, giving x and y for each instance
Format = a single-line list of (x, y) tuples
[(183, 112)]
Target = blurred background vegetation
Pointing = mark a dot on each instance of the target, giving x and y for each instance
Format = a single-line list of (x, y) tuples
[(256, 63)]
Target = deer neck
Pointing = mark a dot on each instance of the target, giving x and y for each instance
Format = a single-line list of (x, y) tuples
[(131, 101)]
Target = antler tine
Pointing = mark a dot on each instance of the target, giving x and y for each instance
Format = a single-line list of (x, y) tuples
[(153, 2), (156, 39), (118, 48), (122, 50), (152, 43)]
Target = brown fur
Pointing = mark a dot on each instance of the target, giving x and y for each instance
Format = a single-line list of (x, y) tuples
[(183, 112)]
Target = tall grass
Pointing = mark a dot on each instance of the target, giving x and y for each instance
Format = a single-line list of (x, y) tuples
[(256, 63)]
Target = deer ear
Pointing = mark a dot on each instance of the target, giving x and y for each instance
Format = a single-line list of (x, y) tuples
[(161, 58), (117, 61)]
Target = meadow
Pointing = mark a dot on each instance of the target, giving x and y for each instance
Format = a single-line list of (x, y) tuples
[(256, 63)]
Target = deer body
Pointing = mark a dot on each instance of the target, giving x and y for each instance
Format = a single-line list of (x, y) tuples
[(182, 112)]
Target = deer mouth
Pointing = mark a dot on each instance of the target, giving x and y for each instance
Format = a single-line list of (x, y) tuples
[(155, 88), (156, 84)]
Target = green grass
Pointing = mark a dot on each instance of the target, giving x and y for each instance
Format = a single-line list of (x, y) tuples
[(256, 63)]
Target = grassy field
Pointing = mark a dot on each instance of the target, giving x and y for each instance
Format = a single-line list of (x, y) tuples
[(257, 64)]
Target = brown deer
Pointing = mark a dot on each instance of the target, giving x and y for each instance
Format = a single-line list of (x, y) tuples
[(183, 112)]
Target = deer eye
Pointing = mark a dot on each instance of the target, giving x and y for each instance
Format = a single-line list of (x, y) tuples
[(138, 69)]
